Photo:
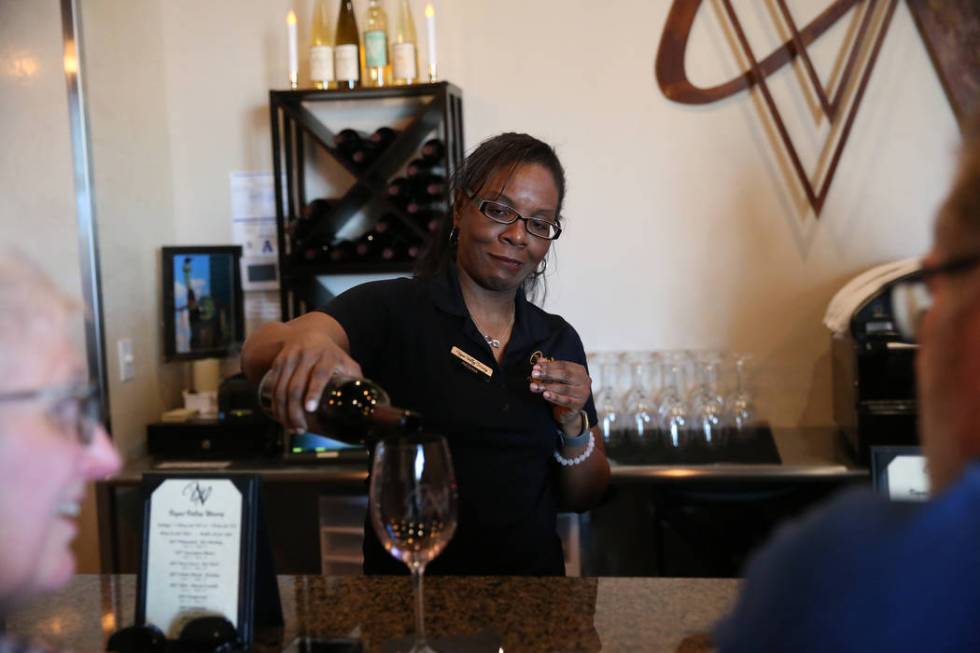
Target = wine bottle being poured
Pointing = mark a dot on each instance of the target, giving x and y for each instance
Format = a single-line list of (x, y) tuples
[(355, 411)]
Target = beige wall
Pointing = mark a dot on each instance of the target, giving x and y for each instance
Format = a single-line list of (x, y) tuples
[(685, 230), (37, 196)]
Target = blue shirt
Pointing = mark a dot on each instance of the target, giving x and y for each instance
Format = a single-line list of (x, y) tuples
[(502, 437), (867, 574)]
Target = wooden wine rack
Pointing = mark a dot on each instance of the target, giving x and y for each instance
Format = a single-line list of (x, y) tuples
[(295, 127)]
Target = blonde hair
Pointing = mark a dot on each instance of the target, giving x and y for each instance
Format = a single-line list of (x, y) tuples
[(30, 305)]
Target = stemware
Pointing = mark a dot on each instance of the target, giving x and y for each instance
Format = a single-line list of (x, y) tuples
[(413, 507), (607, 399), (707, 404), (641, 414), (673, 408), (741, 406)]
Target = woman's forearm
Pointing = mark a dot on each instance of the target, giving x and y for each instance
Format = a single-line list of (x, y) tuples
[(262, 347), (583, 485)]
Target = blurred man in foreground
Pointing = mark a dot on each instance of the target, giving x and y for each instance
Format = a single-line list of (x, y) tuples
[(50, 441), (864, 574)]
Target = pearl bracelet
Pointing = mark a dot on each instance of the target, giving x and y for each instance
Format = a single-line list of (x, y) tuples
[(570, 462)]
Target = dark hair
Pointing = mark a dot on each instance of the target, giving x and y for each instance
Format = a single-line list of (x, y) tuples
[(508, 151)]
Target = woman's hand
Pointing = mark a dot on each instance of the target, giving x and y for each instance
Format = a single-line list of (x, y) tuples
[(308, 358), (566, 386)]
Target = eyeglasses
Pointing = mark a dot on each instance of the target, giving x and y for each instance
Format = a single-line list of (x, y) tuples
[(911, 297), (503, 214), (212, 634), (71, 408)]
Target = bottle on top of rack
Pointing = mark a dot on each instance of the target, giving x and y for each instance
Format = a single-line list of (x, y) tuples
[(321, 47), (404, 47), (377, 71), (433, 150), (355, 411), (347, 48)]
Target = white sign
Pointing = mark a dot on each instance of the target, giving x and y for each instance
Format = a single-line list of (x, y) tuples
[(193, 555), (907, 479), (253, 226)]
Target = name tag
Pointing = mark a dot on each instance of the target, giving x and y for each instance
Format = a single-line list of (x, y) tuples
[(471, 363)]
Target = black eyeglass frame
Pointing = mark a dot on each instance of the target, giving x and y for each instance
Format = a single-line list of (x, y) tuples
[(481, 204), (954, 266), (85, 394)]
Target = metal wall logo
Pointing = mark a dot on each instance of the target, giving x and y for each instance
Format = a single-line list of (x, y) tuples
[(877, 14)]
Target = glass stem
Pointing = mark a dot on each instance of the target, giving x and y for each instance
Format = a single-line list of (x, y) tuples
[(417, 572)]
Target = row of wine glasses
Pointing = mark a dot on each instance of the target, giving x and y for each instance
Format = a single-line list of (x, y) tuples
[(674, 397)]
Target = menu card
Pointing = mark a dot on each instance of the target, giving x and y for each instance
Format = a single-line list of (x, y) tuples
[(193, 553)]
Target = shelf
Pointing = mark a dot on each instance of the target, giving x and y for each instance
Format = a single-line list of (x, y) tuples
[(301, 129)]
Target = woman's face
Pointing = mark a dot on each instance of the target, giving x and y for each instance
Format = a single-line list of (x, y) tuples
[(43, 471), (498, 256)]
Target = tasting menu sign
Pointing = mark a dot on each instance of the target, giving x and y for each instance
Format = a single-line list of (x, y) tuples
[(205, 553)]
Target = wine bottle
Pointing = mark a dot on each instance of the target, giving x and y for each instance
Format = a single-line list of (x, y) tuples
[(418, 167), (355, 411), (321, 47), (377, 70), (419, 207), (383, 137), (365, 154), (347, 50), (342, 251), (433, 150), (404, 47), (347, 141)]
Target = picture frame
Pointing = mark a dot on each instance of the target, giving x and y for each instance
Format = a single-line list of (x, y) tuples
[(203, 303)]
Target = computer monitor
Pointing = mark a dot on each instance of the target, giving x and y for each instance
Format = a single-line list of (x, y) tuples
[(203, 314), (899, 473)]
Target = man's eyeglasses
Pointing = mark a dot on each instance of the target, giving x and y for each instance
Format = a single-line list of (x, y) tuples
[(539, 227), (911, 298), (71, 408)]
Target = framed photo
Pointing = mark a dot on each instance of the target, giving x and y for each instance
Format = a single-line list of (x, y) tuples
[(203, 314)]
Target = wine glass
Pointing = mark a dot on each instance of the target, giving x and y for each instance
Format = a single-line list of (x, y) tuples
[(673, 408), (413, 507), (707, 405), (742, 408), (640, 412), (607, 400)]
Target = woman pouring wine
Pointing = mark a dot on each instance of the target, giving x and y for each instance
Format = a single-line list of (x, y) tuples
[(502, 380)]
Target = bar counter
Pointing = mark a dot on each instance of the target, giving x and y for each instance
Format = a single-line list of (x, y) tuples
[(476, 613)]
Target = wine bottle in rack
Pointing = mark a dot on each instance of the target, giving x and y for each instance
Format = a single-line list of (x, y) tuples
[(418, 207), (342, 251), (348, 141), (347, 49), (321, 47), (418, 167), (377, 70), (404, 47), (383, 137), (433, 150), (365, 154)]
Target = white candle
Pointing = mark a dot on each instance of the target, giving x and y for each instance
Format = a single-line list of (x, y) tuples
[(293, 55), (430, 24)]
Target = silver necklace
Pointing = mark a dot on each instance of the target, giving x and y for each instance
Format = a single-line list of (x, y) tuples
[(493, 342)]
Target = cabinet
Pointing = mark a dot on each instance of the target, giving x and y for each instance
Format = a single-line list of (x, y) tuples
[(309, 164)]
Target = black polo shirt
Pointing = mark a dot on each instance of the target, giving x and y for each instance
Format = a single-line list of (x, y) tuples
[(501, 435)]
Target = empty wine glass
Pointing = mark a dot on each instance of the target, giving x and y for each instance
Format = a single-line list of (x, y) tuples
[(641, 414), (741, 407), (607, 400), (673, 408), (413, 507), (707, 405)]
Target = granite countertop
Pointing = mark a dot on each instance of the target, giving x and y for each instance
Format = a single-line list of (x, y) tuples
[(475, 613)]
